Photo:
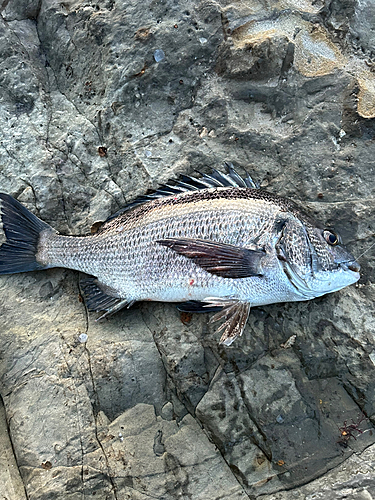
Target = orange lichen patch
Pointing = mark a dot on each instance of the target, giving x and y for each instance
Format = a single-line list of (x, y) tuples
[(366, 95), (315, 54), (250, 34)]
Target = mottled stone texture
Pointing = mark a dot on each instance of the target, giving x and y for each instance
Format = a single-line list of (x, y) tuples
[(149, 406)]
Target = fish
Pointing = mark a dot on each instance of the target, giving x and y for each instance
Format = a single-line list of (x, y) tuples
[(214, 243)]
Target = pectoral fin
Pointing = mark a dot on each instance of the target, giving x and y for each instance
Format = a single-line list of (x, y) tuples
[(227, 261), (235, 314)]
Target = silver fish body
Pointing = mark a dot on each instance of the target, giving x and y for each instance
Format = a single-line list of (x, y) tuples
[(206, 244)]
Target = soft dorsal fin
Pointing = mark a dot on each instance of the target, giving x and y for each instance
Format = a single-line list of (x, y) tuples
[(188, 183)]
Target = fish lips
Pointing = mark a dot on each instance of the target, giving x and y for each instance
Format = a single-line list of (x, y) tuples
[(346, 261), (351, 267)]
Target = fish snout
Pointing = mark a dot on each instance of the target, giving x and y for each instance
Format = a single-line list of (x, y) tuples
[(354, 266), (351, 266)]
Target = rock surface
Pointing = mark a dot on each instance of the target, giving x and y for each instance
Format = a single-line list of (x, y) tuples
[(101, 101)]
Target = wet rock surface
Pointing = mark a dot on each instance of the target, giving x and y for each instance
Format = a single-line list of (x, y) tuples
[(104, 100)]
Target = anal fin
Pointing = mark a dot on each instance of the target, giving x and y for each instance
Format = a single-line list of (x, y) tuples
[(235, 314), (99, 297)]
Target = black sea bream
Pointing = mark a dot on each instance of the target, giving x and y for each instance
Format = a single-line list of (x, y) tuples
[(213, 243)]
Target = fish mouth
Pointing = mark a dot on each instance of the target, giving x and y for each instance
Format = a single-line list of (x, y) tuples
[(351, 266)]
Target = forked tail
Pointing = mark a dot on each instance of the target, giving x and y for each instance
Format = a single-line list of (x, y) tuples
[(22, 230)]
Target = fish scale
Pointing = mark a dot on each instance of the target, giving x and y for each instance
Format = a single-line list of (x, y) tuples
[(216, 242)]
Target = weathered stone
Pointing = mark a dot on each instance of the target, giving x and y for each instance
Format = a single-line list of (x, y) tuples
[(144, 404), (11, 485)]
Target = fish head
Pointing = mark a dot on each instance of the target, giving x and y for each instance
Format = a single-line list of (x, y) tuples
[(314, 258)]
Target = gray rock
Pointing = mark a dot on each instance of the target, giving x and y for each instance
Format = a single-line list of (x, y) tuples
[(362, 25), (144, 404), (11, 485)]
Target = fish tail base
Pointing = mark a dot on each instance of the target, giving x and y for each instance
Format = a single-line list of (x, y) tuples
[(22, 231)]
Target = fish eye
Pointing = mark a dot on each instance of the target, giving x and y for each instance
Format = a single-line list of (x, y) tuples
[(331, 237)]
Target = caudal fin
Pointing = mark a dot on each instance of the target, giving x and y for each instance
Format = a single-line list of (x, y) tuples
[(22, 230)]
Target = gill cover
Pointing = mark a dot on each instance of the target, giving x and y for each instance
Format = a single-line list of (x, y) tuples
[(297, 256)]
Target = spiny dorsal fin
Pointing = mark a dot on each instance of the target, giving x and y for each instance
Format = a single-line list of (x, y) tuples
[(189, 183)]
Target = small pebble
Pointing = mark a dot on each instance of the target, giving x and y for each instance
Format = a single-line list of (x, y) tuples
[(159, 55), (203, 40), (148, 153), (279, 419), (83, 337)]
